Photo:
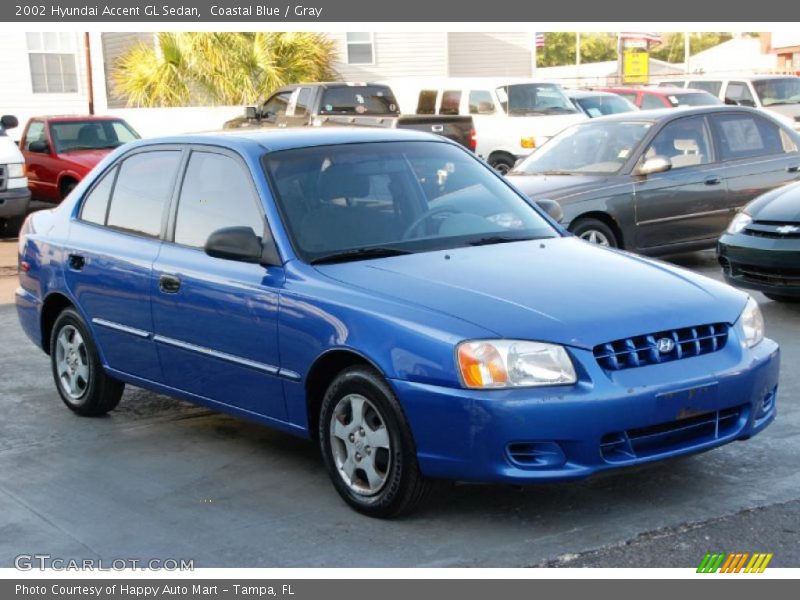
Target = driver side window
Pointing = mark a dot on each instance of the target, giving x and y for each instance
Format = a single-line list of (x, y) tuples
[(685, 142), (276, 106)]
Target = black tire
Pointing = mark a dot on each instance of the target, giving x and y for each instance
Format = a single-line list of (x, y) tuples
[(780, 298), (67, 187), (404, 487), (9, 227), (584, 228), (99, 393), (502, 163)]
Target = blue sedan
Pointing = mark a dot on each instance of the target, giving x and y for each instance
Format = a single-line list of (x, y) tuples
[(387, 294)]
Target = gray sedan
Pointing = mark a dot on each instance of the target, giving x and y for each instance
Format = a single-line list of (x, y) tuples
[(662, 181)]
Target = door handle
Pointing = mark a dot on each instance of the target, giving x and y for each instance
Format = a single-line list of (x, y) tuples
[(169, 284), (713, 181), (793, 169), (76, 262)]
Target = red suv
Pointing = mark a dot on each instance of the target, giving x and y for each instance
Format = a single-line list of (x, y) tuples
[(648, 98), (60, 151)]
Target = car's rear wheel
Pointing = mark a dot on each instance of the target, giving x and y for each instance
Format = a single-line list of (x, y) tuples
[(367, 446), (80, 379), (595, 231), (781, 298), (502, 163)]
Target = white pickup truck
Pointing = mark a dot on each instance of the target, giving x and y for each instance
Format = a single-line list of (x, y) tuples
[(511, 116), (14, 193)]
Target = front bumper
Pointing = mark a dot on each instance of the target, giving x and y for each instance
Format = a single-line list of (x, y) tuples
[(607, 420), (14, 202), (769, 265)]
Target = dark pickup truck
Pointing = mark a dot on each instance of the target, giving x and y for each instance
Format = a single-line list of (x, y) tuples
[(348, 104)]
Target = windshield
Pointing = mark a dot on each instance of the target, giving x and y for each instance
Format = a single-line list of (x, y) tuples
[(774, 92), (353, 201), (693, 99), (358, 100), (596, 147), (597, 106), (90, 134), (534, 99)]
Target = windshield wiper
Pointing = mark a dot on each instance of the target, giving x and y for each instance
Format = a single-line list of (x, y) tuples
[(359, 254), (502, 239), (554, 172)]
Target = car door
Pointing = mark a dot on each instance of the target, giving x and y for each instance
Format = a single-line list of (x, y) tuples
[(111, 250), (215, 319), (41, 162), (689, 202), (758, 155), (298, 110)]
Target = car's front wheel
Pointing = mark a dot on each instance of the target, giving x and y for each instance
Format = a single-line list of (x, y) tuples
[(781, 298), (80, 379), (595, 231), (367, 445)]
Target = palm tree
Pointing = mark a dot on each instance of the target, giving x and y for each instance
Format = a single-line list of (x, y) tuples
[(222, 67)]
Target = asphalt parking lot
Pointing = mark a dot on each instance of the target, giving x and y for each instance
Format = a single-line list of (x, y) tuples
[(159, 478)]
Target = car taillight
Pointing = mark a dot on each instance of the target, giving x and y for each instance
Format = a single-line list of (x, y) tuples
[(473, 139)]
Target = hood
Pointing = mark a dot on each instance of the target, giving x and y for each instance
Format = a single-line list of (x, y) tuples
[(561, 290), (787, 110), (86, 159), (557, 187), (781, 205)]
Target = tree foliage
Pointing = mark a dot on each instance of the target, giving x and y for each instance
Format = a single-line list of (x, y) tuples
[(220, 67)]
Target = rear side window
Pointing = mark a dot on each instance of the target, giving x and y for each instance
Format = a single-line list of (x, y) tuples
[(142, 191), (35, 134), (426, 105), (737, 92), (216, 193), (481, 102), (96, 204), (358, 100), (651, 101), (303, 103), (712, 87), (744, 136), (450, 101)]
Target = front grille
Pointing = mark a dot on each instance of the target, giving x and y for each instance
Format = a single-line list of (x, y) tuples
[(642, 350), (767, 275), (772, 229), (642, 442)]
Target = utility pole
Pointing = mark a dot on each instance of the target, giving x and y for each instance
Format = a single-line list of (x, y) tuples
[(687, 50), (89, 82)]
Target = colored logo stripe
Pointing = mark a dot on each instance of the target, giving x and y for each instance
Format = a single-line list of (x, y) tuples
[(734, 562)]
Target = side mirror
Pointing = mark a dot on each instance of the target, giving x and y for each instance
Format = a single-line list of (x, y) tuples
[(657, 164), (552, 208), (39, 146), (241, 244), (251, 112), (9, 121)]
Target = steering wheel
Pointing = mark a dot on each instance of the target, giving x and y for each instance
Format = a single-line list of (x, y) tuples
[(425, 217)]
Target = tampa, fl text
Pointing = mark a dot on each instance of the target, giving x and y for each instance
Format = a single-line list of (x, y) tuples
[(168, 10)]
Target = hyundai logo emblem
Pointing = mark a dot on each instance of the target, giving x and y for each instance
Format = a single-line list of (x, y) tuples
[(787, 229), (665, 345)]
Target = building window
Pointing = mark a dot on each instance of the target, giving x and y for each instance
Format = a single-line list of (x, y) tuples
[(360, 49), (52, 61)]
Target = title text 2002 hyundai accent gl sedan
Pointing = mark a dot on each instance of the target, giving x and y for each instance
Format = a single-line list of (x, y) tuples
[(389, 294)]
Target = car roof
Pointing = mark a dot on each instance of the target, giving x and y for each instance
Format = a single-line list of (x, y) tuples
[(271, 140), (68, 118), (665, 114), (587, 93), (664, 90), (743, 77)]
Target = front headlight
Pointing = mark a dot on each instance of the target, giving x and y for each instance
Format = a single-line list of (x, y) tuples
[(15, 170), (513, 363), (739, 222), (752, 324)]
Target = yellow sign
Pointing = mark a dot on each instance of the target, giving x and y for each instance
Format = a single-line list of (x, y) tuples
[(635, 66)]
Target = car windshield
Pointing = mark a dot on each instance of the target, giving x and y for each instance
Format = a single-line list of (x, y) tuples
[(597, 106), (773, 92), (355, 201), (596, 147), (693, 99), (528, 99), (91, 134)]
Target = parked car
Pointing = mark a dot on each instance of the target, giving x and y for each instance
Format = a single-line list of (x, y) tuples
[(14, 194), (594, 103), (650, 98), (386, 293), (658, 182), (348, 104), (512, 116), (760, 250), (777, 94), (60, 151)]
